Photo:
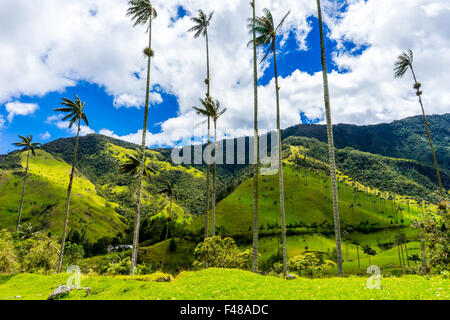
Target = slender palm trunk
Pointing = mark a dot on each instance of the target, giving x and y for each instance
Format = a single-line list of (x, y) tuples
[(280, 163), (255, 152), (69, 191), (337, 224), (357, 253), (403, 257), (427, 126), (399, 256), (406, 252), (207, 180), (23, 192), (208, 168), (137, 219), (167, 234), (213, 223)]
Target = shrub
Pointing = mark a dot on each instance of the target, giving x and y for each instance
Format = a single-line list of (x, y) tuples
[(172, 245), (42, 257), (73, 253), (222, 253), (310, 264), (8, 258)]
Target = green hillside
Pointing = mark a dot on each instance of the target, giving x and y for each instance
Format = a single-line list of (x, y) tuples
[(44, 204)]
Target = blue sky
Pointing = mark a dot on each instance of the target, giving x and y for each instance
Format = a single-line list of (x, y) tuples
[(100, 105), (99, 57)]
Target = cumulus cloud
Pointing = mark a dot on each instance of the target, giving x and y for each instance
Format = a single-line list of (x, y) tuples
[(59, 43), (45, 136), (2, 122), (20, 109)]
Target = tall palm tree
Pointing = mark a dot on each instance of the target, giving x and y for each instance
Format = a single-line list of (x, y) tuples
[(206, 112), (403, 63), (214, 112), (169, 191), (255, 146), (74, 111), (201, 29), (133, 163), (30, 147), (266, 32), (334, 193), (142, 12)]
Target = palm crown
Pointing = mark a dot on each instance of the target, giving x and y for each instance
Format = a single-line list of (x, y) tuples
[(168, 189), (74, 110), (210, 108), (265, 30), (141, 11), (133, 163), (27, 144), (201, 23), (404, 61)]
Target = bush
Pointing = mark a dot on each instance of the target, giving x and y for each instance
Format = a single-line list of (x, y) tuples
[(172, 245), (73, 253), (310, 264), (8, 258), (42, 257), (222, 253)]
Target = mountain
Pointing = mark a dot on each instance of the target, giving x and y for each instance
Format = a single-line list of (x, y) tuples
[(389, 158), (404, 138)]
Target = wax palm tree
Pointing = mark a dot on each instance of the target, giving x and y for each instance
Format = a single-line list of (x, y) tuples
[(133, 163), (214, 112), (30, 147), (403, 63), (170, 192), (334, 193), (142, 12), (266, 32), (255, 146), (201, 29), (74, 111), (205, 112)]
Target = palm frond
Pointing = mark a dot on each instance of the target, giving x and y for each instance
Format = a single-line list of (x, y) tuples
[(404, 61)]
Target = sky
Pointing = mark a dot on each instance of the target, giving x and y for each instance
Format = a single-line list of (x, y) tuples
[(52, 49)]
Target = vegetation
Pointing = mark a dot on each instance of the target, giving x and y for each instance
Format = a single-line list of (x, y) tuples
[(265, 28), (142, 12), (74, 111), (334, 193), (405, 62), (30, 148), (227, 284)]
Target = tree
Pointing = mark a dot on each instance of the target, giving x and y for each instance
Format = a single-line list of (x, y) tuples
[(133, 163), (201, 28), (334, 194), (369, 251), (170, 192), (214, 112), (255, 146), (266, 32), (74, 114), (142, 12), (403, 63), (205, 111), (30, 147)]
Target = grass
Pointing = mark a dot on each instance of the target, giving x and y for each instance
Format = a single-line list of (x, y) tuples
[(304, 202), (227, 284), (45, 198)]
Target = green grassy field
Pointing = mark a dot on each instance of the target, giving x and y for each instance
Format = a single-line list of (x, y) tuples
[(307, 200), (45, 199), (227, 284)]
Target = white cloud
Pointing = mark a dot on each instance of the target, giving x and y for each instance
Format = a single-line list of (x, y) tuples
[(45, 136), (20, 109), (58, 43), (2, 122)]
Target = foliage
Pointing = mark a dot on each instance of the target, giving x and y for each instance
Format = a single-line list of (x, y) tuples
[(8, 258), (433, 229), (311, 264), (222, 253), (42, 257)]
